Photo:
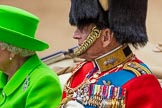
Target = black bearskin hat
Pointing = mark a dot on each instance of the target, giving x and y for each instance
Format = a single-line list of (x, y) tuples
[(126, 18)]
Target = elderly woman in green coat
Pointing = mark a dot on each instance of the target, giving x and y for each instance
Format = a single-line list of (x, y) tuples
[(25, 81)]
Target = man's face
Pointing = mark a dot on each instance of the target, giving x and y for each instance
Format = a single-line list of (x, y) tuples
[(95, 50)]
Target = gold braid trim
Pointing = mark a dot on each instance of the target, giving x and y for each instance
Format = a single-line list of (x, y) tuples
[(68, 90), (136, 68), (92, 37)]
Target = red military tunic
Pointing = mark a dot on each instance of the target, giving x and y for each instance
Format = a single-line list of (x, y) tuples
[(142, 88)]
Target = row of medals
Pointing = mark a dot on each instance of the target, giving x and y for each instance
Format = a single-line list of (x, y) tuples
[(100, 96)]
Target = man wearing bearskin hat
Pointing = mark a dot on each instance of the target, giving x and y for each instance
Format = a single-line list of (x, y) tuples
[(111, 75)]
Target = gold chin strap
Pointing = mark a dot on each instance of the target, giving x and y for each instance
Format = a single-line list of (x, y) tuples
[(92, 37), (104, 4)]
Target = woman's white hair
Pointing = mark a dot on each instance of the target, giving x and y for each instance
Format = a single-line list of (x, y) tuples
[(13, 49)]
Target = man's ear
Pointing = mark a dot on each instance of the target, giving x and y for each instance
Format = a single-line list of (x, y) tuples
[(107, 36)]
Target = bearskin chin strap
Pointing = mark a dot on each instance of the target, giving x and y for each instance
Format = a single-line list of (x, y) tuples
[(92, 37), (104, 4)]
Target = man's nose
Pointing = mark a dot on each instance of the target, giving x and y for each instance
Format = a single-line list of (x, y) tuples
[(76, 34)]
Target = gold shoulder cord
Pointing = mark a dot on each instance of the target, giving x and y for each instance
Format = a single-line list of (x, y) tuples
[(136, 68), (92, 37), (68, 90)]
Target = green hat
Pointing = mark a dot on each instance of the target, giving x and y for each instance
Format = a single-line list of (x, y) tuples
[(18, 27)]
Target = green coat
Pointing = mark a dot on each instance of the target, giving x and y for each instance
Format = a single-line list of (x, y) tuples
[(34, 85)]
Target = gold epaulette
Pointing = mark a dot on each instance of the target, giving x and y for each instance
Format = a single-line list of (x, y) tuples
[(136, 68)]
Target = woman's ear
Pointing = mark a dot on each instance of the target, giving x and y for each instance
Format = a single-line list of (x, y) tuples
[(107, 36), (12, 55)]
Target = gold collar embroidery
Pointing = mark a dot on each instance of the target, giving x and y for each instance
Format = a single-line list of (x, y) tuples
[(114, 58)]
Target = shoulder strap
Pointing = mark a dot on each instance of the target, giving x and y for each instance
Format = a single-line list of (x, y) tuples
[(136, 68)]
